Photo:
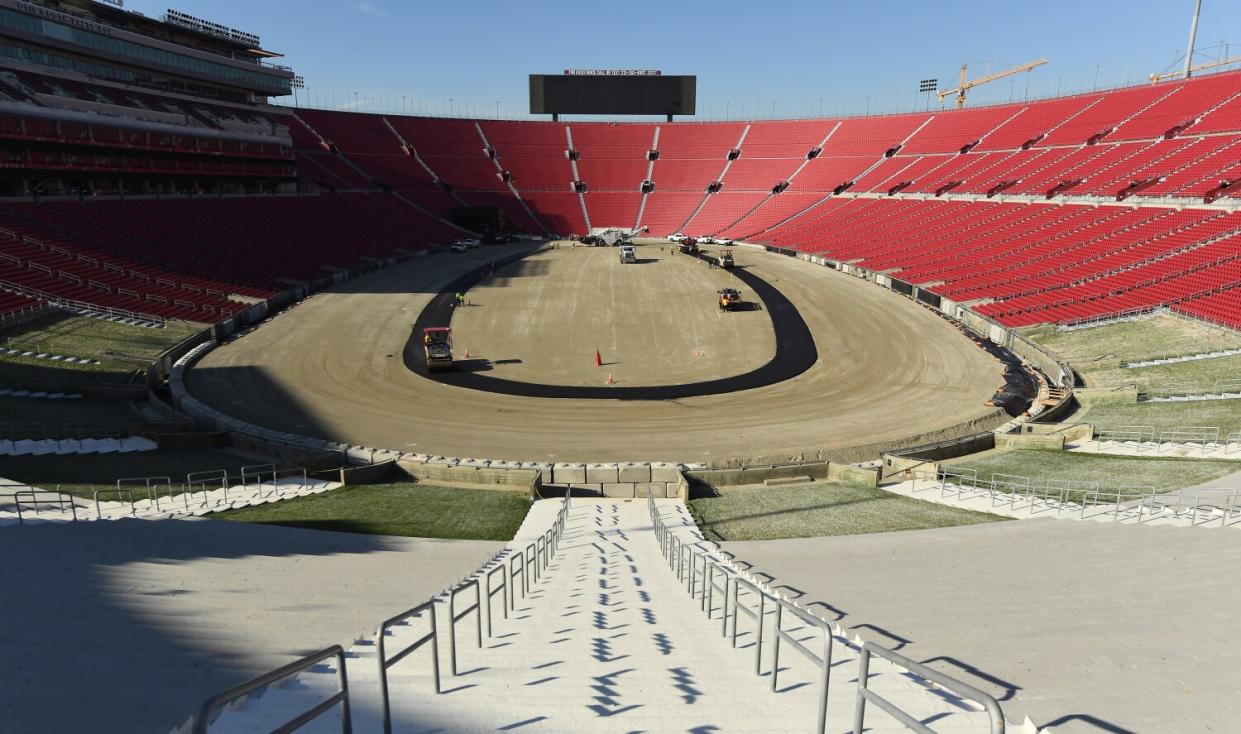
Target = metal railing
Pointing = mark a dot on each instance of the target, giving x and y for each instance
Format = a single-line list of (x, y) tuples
[(426, 608), (822, 660), (123, 494), (522, 564), (683, 558), (491, 591), (37, 498), (206, 713), (1086, 499), (964, 690), (454, 616)]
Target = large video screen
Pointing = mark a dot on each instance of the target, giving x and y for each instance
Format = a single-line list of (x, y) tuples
[(579, 94)]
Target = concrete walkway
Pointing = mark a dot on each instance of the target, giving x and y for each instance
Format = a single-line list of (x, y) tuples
[(127, 626), (607, 641), (1085, 628)]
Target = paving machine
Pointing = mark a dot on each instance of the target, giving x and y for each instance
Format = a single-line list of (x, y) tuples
[(437, 343)]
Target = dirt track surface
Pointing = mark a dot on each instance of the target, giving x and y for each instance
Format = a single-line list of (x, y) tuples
[(889, 372), (655, 322)]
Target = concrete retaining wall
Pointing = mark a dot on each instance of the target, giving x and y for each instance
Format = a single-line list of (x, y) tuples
[(924, 460), (1029, 441), (758, 474), (385, 471), (475, 475), (855, 474)]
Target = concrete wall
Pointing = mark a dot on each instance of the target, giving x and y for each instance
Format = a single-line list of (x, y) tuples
[(818, 471), (385, 471), (1029, 441), (470, 475), (285, 454), (1056, 370), (920, 460), (730, 477), (212, 439), (855, 474)]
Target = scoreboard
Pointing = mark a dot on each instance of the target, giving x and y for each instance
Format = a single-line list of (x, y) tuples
[(612, 92)]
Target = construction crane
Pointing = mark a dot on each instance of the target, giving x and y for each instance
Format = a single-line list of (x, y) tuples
[(964, 85), (1209, 65)]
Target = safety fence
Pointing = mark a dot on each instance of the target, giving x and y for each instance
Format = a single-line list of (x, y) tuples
[(1194, 390), (506, 574), (1152, 439), (1085, 499), (155, 495), (713, 580)]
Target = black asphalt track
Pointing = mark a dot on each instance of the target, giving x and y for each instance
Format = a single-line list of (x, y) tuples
[(795, 351)]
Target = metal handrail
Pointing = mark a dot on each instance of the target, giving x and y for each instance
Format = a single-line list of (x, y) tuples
[(824, 661), (119, 491), (203, 478), (964, 690), (385, 662), (758, 615), (501, 588), (517, 573), (257, 471), (531, 564), (278, 474), (202, 720), (454, 616), (675, 550), (60, 499)]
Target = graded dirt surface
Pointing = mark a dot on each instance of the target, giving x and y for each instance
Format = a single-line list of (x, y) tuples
[(654, 322), (889, 372)]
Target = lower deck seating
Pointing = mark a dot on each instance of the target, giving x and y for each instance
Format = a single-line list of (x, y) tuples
[(201, 259)]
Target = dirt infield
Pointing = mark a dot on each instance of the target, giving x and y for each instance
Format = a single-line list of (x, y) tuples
[(888, 373), (654, 322)]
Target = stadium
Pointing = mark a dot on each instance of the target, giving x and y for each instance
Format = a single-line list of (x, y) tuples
[(607, 416)]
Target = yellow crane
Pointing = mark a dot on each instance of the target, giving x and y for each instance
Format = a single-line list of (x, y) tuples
[(1209, 65), (964, 85)]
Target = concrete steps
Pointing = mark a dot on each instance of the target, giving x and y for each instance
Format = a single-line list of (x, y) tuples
[(1204, 508), (606, 640), (60, 447), (188, 504)]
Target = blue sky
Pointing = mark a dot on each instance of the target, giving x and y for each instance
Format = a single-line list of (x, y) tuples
[(803, 56)]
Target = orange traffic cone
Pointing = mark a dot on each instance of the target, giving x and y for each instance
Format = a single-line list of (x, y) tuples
[(610, 380), (467, 354), (598, 359)]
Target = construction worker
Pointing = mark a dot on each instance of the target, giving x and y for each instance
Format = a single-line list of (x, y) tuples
[(460, 299)]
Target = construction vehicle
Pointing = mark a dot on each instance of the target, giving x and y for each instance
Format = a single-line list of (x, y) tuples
[(730, 299), (627, 254), (726, 258), (964, 85), (689, 246), (437, 343)]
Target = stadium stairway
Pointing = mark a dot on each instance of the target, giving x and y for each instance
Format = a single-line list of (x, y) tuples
[(1214, 506), (35, 505), (607, 640)]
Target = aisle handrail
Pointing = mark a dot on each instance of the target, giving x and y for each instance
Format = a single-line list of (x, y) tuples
[(202, 720)]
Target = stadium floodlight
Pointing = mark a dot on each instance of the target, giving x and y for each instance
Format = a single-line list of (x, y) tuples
[(928, 85), (298, 82)]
